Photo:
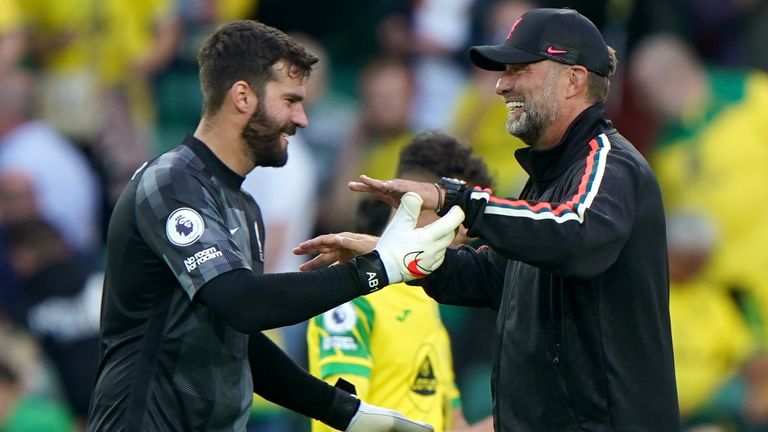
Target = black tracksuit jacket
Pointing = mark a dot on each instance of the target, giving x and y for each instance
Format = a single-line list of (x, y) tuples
[(577, 270)]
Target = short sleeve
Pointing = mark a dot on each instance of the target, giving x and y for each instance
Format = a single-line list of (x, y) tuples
[(180, 216)]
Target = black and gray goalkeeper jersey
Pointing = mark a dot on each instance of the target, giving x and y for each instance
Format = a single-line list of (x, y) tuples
[(169, 363)]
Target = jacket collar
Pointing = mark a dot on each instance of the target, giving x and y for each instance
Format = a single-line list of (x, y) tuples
[(546, 165), (213, 164)]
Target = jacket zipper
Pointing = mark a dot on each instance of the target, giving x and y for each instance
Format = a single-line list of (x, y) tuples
[(499, 348), (557, 316), (498, 420), (557, 319)]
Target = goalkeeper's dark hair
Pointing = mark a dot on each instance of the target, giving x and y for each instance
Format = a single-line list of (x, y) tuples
[(371, 216), (437, 154), (246, 50)]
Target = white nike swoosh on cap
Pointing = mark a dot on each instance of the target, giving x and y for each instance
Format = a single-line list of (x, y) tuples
[(234, 230)]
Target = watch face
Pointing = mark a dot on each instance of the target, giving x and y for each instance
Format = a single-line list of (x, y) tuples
[(452, 183)]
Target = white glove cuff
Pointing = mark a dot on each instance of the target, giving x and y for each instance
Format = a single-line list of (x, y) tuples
[(390, 266)]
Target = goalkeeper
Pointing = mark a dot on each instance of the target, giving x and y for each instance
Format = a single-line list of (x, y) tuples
[(185, 298)]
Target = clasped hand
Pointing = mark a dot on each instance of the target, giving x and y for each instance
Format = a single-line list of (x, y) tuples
[(407, 252)]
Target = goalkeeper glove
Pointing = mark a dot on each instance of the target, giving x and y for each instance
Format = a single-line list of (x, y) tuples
[(405, 253), (409, 253), (369, 418)]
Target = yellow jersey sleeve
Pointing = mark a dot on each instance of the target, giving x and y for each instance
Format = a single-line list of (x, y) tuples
[(338, 345), (705, 325), (393, 347)]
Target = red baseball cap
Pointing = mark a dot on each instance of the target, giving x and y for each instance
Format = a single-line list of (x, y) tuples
[(562, 35)]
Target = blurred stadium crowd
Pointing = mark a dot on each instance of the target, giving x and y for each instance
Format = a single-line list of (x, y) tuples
[(89, 89)]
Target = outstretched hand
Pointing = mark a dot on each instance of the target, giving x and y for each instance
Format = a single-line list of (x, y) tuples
[(334, 248), (390, 191)]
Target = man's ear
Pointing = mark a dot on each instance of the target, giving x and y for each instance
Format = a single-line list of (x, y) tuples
[(242, 96), (577, 81)]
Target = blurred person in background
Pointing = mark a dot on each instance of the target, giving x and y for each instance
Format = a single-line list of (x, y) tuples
[(12, 37), (440, 35), (60, 300), (66, 189), (24, 405), (711, 339), (97, 61), (354, 341), (478, 113), (17, 202), (385, 113), (43, 175), (711, 156), (383, 127)]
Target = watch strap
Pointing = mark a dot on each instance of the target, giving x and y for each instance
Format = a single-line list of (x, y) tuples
[(454, 189)]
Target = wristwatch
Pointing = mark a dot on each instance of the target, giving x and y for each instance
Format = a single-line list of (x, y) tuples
[(454, 188)]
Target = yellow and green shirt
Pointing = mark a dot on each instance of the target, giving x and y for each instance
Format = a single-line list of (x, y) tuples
[(394, 348), (382, 156), (715, 160), (107, 34), (710, 341)]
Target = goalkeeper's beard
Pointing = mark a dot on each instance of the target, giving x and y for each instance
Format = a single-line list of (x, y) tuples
[(263, 139)]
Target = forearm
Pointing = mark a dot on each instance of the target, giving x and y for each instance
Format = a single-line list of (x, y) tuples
[(280, 380), (252, 303), (577, 232), (467, 278)]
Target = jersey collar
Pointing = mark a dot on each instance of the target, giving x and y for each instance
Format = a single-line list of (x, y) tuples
[(213, 164), (546, 165)]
